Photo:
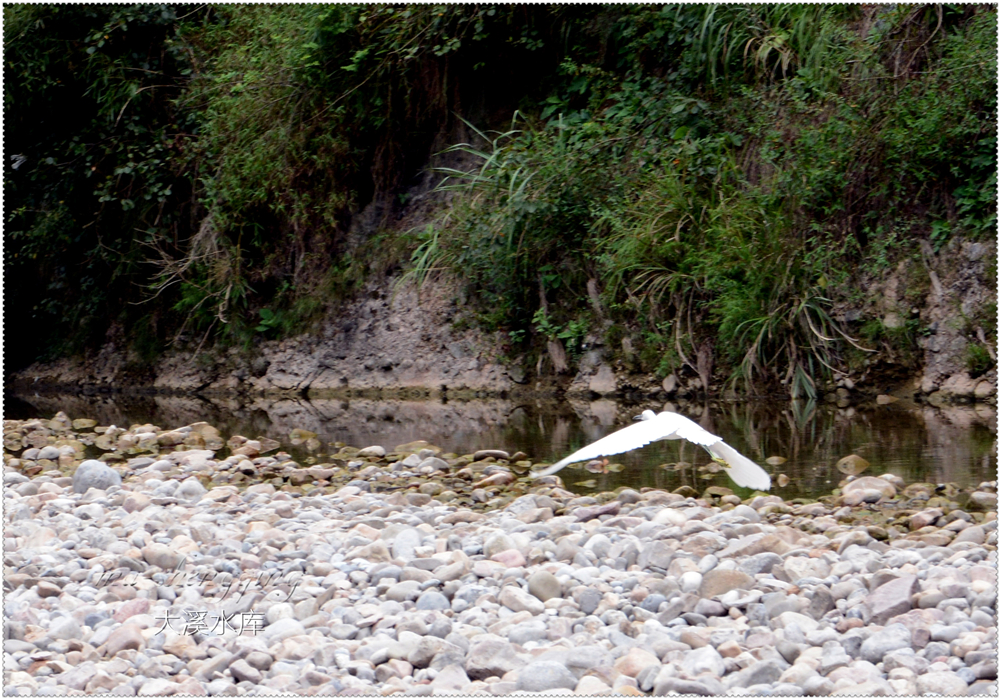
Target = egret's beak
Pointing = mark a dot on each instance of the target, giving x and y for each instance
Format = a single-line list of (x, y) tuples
[(637, 417)]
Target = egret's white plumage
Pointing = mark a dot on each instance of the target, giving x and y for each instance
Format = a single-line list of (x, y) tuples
[(668, 425)]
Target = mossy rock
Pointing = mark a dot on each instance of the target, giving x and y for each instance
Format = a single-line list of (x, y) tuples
[(948, 490), (716, 491), (414, 447), (431, 488), (877, 533), (919, 489)]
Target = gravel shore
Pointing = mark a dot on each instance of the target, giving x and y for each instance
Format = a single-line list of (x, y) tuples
[(185, 564)]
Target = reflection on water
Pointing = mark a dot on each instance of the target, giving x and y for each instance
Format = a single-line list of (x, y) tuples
[(955, 444)]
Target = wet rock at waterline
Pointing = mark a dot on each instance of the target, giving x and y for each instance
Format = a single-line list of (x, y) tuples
[(852, 465), (197, 575)]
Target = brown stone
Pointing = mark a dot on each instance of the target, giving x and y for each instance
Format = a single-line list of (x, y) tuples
[(100, 682), (584, 514), (497, 479), (540, 514), (891, 599), (692, 638), (701, 544), (191, 687), (511, 558), (938, 538), (125, 637), (718, 582), (490, 453), (871, 483), (852, 465), (139, 605), (729, 649), (924, 518), (846, 624), (47, 589), (635, 661), (183, 646), (376, 552), (749, 546)]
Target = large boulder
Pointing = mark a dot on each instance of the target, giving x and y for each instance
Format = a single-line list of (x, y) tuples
[(94, 474)]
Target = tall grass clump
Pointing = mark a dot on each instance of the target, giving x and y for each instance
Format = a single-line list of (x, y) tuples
[(722, 187)]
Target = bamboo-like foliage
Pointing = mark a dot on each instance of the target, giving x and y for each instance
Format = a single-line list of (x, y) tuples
[(773, 40)]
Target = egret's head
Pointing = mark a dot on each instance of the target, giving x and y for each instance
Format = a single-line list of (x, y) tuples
[(645, 415)]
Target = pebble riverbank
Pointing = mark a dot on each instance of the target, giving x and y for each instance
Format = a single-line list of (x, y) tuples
[(183, 564)]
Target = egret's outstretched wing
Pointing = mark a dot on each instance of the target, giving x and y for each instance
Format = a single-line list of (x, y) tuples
[(626, 439), (668, 425), (681, 427), (742, 470)]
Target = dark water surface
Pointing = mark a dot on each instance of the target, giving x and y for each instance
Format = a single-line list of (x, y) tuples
[(918, 443)]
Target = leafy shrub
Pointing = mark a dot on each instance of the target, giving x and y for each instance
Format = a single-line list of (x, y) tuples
[(734, 227), (978, 360)]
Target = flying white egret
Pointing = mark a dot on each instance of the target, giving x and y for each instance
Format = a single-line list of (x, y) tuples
[(668, 425)]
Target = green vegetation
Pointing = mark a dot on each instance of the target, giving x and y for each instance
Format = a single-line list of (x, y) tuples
[(978, 360), (668, 179), (734, 201)]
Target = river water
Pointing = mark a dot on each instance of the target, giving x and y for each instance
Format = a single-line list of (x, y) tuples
[(919, 443)]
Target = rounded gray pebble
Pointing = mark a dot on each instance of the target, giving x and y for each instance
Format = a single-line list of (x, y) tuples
[(432, 600)]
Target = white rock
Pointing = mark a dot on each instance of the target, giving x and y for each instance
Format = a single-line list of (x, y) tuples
[(518, 600), (690, 581)]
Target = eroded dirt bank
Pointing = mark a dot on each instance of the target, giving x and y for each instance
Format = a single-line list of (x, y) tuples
[(392, 340)]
